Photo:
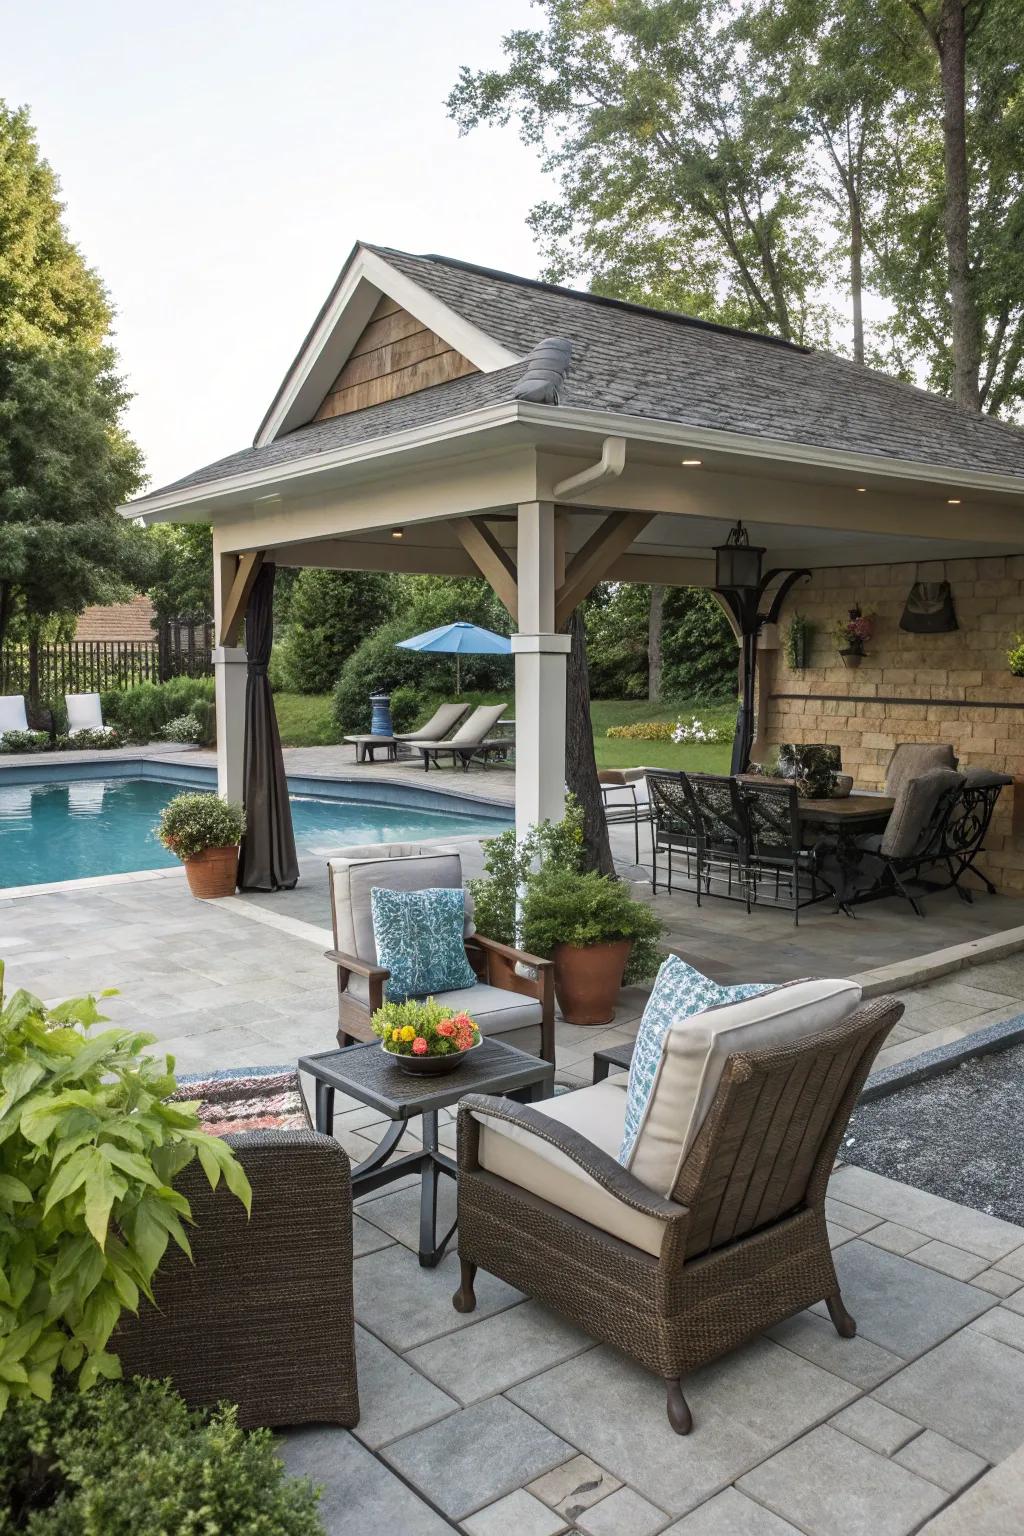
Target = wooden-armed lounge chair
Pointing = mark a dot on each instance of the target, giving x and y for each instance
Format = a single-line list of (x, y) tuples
[(440, 723), (471, 740), (716, 1229)]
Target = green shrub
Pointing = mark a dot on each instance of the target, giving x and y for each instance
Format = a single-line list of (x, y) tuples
[(133, 1460), (205, 711), (1015, 656), (561, 906), (185, 728), (195, 821), (88, 1151), (410, 707), (85, 740), (642, 730), (141, 713), (24, 741), (509, 866), (379, 665), (329, 615)]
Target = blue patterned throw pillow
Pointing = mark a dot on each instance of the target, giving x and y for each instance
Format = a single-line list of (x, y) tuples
[(679, 992), (420, 938)]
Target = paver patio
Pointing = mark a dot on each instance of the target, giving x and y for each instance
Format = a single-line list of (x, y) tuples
[(509, 1421)]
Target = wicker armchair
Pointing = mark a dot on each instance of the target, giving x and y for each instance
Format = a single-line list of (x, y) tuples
[(739, 1241), (263, 1316), (506, 1003)]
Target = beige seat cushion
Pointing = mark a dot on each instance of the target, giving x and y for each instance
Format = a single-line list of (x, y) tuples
[(597, 1113), (695, 1052), (354, 872), (495, 1011)]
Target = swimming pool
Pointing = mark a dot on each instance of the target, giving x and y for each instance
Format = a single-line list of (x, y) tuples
[(70, 829)]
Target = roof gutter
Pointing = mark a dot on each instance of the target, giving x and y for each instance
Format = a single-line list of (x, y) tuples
[(608, 467)]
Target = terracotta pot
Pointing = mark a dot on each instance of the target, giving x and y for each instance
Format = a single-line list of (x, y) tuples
[(587, 980), (214, 872)]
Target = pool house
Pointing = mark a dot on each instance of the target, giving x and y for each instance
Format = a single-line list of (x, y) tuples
[(444, 418)]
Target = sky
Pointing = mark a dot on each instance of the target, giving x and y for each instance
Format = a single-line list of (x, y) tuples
[(218, 160)]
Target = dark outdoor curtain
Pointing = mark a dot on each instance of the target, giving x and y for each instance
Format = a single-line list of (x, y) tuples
[(267, 861)]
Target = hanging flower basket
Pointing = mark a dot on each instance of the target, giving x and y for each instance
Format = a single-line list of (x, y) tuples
[(852, 634), (851, 658)]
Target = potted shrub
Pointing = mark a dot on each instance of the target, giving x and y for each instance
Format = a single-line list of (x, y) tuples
[(204, 832), (595, 933)]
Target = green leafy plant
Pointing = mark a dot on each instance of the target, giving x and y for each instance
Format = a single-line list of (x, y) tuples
[(194, 821), (87, 740), (643, 730), (140, 713), (24, 741), (509, 865), (183, 728), (1015, 656), (562, 906), (415, 1028), (796, 641), (88, 1151), (132, 1459)]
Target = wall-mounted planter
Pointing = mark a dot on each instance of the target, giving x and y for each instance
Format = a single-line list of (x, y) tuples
[(852, 658)]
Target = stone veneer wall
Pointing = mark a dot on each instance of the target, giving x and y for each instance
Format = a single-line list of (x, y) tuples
[(954, 687)]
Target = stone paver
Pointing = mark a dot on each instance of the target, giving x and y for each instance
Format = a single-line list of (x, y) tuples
[(875, 1426), (394, 1399), (940, 1461), (998, 1282), (991, 1507), (1002, 1324), (830, 1485), (901, 1305), (475, 1456), (517, 1514), (744, 1405), (970, 1389), (622, 1514), (359, 1493), (574, 1486), (731, 1513), (406, 1305), (855, 1360), (987, 1236), (894, 1238), (949, 1260), (499, 1351)]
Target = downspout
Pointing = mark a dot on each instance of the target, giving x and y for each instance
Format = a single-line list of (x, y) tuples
[(608, 467)]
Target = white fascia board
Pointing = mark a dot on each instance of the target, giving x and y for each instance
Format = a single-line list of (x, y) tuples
[(744, 445), (367, 278)]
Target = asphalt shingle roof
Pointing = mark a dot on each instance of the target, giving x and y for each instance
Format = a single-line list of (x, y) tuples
[(668, 367)]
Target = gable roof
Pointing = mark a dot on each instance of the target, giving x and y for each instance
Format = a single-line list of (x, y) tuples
[(626, 359)]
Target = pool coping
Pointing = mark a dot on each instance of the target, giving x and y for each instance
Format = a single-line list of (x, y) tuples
[(342, 789), (943, 1058)]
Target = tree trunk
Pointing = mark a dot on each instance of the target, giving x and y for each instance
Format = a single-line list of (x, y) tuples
[(654, 644), (950, 41), (580, 763), (33, 670), (857, 276), (6, 608)]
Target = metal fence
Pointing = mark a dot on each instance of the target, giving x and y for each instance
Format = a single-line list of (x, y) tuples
[(91, 666)]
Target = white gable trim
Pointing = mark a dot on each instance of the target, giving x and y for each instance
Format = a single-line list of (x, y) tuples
[(362, 284)]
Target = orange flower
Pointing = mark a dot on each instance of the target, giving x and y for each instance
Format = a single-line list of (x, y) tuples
[(419, 1046), (446, 1027)]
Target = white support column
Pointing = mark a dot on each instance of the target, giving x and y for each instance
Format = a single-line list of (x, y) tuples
[(229, 672), (540, 673)]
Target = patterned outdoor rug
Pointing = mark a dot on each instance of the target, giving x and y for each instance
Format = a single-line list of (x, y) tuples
[(246, 1099)]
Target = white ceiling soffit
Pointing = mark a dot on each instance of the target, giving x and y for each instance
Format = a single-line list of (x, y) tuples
[(363, 281)]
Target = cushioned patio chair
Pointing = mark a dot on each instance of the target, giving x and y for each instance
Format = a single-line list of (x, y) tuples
[(716, 1229), (910, 759), (12, 713), (627, 802), (513, 999), (440, 723), (471, 740), (264, 1316), (85, 714), (913, 836)]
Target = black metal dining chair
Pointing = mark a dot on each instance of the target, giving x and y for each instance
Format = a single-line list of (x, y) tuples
[(771, 815)]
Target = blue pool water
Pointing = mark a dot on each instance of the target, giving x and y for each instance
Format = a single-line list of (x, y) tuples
[(65, 831)]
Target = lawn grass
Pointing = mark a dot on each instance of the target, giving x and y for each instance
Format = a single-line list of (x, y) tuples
[(304, 720)]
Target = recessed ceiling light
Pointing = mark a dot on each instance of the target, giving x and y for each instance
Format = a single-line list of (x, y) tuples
[(861, 489), (953, 501), (692, 463), (398, 533)]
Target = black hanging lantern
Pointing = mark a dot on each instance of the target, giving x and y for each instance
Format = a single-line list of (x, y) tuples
[(738, 562)]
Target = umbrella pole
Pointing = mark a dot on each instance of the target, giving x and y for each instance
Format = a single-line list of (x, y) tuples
[(458, 674)]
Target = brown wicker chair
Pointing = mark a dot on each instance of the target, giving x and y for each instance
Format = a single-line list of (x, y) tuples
[(509, 1006), (264, 1316), (741, 1243)]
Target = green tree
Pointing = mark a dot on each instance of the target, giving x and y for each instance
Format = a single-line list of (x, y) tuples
[(678, 162), (65, 467), (700, 650), (330, 614), (181, 582)]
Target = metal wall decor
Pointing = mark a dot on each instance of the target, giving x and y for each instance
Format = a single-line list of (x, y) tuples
[(929, 609)]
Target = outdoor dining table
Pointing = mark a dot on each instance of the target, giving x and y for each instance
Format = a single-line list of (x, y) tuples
[(832, 827)]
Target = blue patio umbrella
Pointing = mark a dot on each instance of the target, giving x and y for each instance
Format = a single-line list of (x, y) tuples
[(459, 639)]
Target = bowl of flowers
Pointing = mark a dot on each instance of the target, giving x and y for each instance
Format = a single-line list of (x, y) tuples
[(425, 1038)]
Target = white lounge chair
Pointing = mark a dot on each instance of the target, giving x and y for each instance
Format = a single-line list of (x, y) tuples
[(85, 714), (12, 713)]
